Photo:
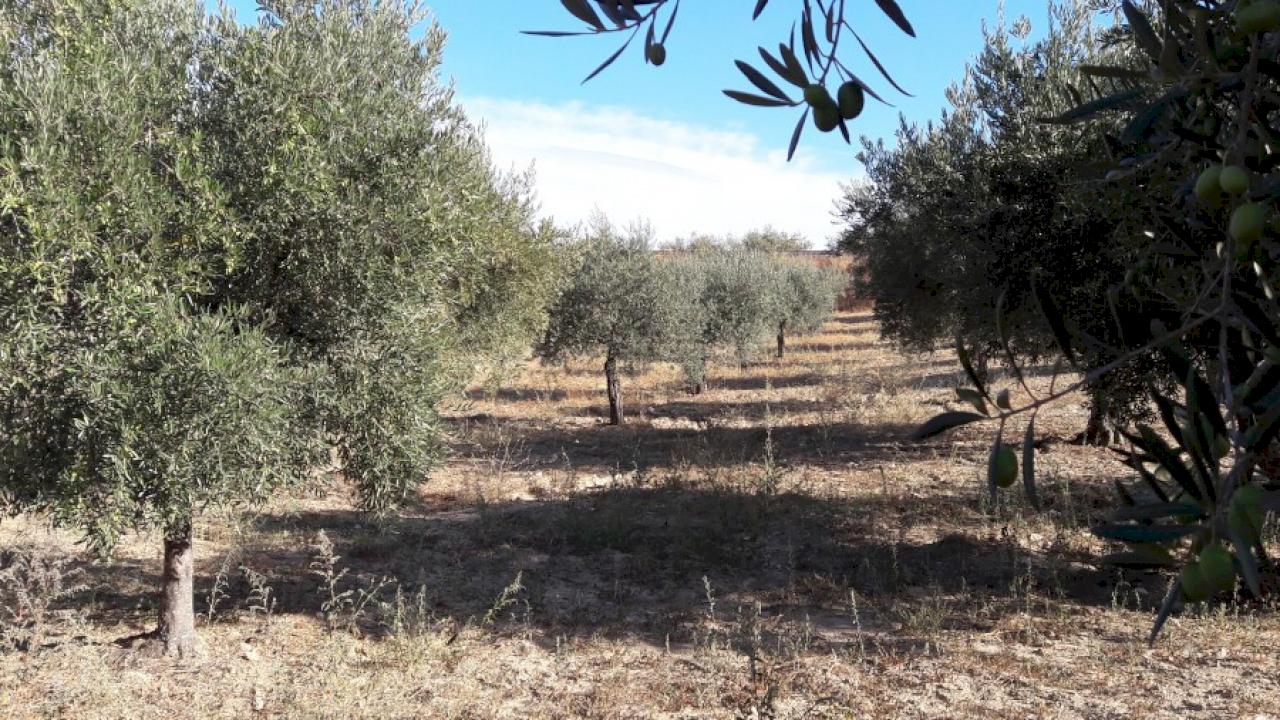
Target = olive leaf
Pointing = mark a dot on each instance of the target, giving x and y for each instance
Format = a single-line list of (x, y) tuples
[(944, 422)]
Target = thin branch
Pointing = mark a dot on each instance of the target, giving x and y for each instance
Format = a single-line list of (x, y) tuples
[(1105, 369)]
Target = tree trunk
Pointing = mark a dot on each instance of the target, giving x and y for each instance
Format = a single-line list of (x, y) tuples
[(782, 339), (176, 631), (614, 390), (698, 388), (1100, 430)]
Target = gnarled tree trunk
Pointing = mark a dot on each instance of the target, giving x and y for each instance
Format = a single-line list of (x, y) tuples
[(782, 338), (614, 388), (1100, 430), (176, 630)]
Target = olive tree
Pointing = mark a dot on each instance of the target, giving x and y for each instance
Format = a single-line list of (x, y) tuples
[(968, 213), (618, 303), (1195, 164), (688, 344), (226, 250), (739, 293), (769, 239), (803, 299), (741, 298)]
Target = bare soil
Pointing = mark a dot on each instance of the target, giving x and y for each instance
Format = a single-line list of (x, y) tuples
[(774, 547)]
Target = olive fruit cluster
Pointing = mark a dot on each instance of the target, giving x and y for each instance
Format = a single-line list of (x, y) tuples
[(1249, 219), (1213, 571), (828, 111)]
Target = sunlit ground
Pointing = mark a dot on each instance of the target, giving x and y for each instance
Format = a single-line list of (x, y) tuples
[(773, 547)]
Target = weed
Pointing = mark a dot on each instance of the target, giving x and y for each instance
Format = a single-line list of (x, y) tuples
[(218, 591), (261, 600), (29, 586), (343, 608), (509, 597)]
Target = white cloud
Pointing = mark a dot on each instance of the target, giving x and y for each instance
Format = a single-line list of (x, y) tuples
[(680, 177)]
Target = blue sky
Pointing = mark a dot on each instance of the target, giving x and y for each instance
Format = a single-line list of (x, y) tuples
[(664, 144)]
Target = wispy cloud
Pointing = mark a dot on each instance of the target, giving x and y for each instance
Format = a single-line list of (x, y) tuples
[(680, 177)]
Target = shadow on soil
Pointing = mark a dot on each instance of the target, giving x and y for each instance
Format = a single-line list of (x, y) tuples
[(862, 319), (646, 445), (636, 559), (631, 561), (808, 379), (820, 346), (518, 394)]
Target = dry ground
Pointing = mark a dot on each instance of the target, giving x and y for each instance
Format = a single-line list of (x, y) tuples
[(773, 547)]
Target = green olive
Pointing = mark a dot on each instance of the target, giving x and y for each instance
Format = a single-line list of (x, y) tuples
[(1217, 568), (1195, 587), (1208, 185), (826, 117), (1006, 466), (1247, 223), (817, 96), (657, 54), (851, 100), (1234, 180), (1245, 516)]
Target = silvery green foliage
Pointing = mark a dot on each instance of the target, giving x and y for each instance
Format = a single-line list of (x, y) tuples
[(806, 295), (745, 298), (1191, 103), (616, 301), (226, 248), (769, 239), (686, 345), (970, 210), (740, 295)]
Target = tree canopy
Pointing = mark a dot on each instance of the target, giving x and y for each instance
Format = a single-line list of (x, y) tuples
[(226, 249), (970, 212)]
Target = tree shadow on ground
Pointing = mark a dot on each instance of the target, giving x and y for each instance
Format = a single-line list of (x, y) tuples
[(698, 413), (640, 561), (644, 445), (517, 394), (712, 412), (865, 318), (817, 345), (807, 379)]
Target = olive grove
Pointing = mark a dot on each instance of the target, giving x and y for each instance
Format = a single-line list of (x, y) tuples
[(634, 306), (1114, 187)]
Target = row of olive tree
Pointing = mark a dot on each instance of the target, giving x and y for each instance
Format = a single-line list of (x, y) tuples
[(634, 306), (766, 239), (227, 250)]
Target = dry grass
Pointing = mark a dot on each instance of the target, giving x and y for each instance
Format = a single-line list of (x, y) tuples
[(772, 548)]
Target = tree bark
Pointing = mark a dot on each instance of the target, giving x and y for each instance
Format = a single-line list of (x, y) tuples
[(1100, 430), (176, 630), (614, 390), (782, 339)]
